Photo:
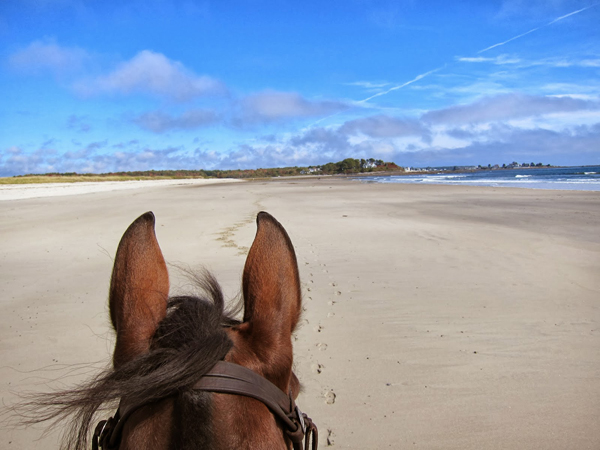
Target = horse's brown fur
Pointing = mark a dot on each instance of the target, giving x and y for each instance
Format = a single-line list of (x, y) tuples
[(261, 342)]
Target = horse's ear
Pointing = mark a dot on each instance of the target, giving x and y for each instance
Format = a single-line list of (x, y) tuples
[(139, 289), (272, 295)]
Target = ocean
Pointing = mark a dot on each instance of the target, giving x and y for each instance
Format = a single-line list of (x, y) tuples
[(581, 178)]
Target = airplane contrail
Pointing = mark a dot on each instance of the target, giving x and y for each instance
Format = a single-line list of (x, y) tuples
[(417, 78), (400, 86), (538, 28), (572, 13), (423, 75), (506, 42)]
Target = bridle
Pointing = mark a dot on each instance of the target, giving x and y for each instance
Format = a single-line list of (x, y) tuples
[(226, 378)]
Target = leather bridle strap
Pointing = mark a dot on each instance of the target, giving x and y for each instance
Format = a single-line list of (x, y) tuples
[(229, 378)]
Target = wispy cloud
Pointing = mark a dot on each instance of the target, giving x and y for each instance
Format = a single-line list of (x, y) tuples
[(498, 60), (589, 89), (563, 61), (560, 62), (159, 122), (590, 63), (48, 56), (368, 84), (78, 123), (381, 126)]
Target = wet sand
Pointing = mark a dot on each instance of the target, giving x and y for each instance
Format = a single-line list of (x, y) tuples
[(437, 317)]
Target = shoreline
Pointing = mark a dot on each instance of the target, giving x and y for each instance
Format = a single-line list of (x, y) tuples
[(448, 178), (44, 190), (575, 178)]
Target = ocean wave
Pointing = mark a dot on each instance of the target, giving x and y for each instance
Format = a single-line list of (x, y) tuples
[(572, 179)]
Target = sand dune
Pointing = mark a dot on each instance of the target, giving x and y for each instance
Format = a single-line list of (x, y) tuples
[(436, 317)]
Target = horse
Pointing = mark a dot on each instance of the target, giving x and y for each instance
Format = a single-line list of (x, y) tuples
[(186, 373)]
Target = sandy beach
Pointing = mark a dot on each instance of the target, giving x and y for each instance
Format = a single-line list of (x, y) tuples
[(41, 190), (436, 317)]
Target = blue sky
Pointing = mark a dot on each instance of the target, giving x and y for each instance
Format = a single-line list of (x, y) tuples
[(99, 86)]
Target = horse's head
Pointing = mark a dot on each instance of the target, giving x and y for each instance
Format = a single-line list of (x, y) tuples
[(155, 333)]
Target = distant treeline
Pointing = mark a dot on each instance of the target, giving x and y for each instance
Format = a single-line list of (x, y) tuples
[(347, 166), (350, 165)]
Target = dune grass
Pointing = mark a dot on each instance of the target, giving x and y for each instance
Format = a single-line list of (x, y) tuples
[(77, 179)]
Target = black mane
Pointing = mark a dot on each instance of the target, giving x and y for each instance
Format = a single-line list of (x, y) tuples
[(186, 345)]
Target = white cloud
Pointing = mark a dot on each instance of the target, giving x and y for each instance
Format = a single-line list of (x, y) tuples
[(47, 56), (476, 59), (273, 106), (153, 73), (590, 63), (93, 158), (497, 142), (368, 84), (591, 88), (498, 60), (505, 107), (14, 150), (562, 62)]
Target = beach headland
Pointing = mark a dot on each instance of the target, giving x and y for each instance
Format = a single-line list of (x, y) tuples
[(436, 317)]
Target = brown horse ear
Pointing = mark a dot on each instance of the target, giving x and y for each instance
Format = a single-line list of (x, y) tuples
[(272, 295), (139, 289)]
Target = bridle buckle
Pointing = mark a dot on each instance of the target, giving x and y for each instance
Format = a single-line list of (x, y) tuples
[(300, 415), (102, 434)]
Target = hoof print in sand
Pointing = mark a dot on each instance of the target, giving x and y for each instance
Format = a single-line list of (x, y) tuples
[(330, 435), (329, 397), (317, 368)]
